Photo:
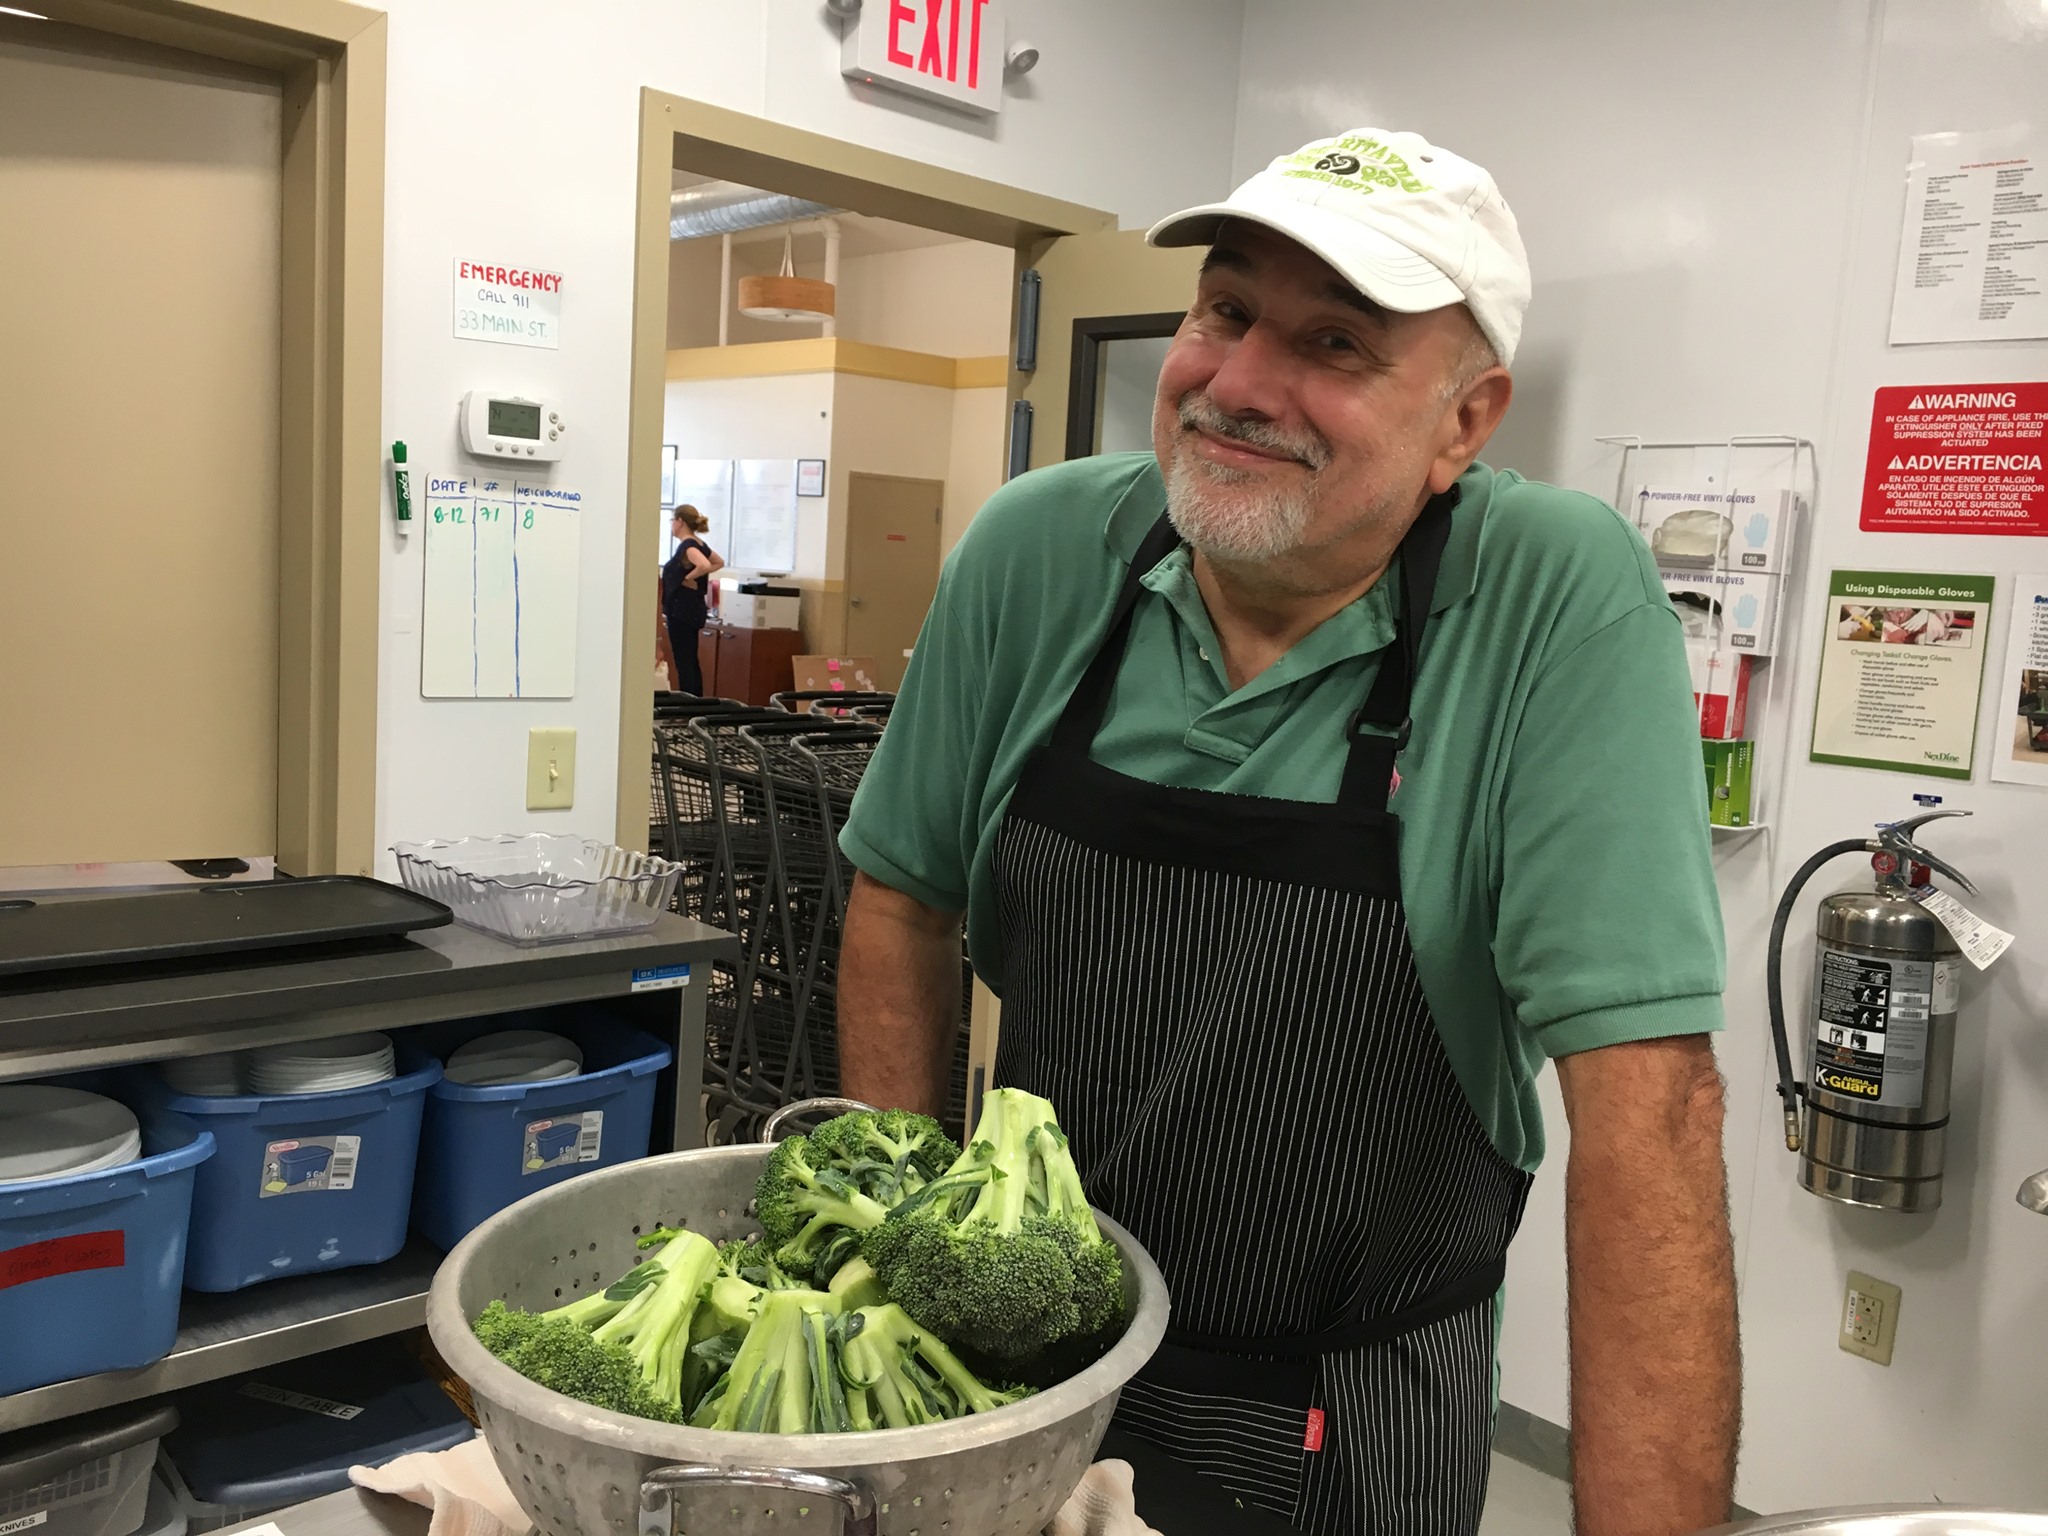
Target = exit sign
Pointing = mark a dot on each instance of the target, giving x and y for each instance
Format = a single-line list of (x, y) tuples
[(951, 50)]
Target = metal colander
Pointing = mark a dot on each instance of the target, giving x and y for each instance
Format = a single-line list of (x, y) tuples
[(581, 1471)]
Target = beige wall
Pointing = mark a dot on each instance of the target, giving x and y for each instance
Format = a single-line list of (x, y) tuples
[(952, 300), (975, 462)]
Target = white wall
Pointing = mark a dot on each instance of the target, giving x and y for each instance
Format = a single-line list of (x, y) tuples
[(512, 132), (1711, 199), (784, 417)]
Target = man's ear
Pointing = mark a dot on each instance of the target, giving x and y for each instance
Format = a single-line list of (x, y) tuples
[(1475, 413)]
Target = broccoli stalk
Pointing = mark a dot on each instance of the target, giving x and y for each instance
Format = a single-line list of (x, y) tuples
[(769, 1388), (899, 1374), (654, 1325), (1001, 1253)]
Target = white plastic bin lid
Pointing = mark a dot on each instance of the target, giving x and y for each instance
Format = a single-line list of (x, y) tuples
[(47, 1132), (514, 1056)]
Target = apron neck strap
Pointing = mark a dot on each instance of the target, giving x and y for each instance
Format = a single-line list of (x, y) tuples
[(1082, 717), (1379, 730), (1369, 766)]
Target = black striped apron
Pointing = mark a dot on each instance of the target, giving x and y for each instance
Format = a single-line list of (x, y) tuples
[(1218, 992)]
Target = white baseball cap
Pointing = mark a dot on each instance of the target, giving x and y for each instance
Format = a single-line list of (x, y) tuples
[(1411, 226)]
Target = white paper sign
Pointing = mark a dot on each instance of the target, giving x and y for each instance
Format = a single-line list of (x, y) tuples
[(501, 301), (2019, 753), (1973, 260)]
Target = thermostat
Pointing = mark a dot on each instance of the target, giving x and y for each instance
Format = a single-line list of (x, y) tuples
[(511, 427)]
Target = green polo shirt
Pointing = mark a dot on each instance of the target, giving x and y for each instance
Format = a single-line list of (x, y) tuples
[(1555, 864)]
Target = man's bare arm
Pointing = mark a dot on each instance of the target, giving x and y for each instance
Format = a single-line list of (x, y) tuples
[(1656, 1373), (899, 998)]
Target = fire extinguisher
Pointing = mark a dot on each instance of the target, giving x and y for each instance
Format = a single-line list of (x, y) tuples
[(1870, 1128)]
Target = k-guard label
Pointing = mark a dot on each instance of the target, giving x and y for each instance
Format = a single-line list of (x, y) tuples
[(1871, 1019), (656, 978)]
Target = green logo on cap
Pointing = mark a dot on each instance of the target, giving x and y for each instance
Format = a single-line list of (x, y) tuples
[(1362, 165)]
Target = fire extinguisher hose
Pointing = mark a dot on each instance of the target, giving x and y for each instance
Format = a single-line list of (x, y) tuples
[(1788, 1083)]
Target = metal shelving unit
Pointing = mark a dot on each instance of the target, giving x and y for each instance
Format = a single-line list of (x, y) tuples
[(70, 1024)]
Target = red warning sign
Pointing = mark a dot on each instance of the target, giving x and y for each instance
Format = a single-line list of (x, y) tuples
[(1958, 458)]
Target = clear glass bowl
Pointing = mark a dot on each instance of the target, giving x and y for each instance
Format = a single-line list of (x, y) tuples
[(540, 888)]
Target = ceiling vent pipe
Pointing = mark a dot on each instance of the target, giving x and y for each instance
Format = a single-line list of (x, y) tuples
[(727, 208)]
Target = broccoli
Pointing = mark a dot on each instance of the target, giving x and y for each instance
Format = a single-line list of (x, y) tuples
[(1001, 1253), (560, 1355), (654, 1324), (897, 1374), (777, 1380), (856, 1284), (819, 1192)]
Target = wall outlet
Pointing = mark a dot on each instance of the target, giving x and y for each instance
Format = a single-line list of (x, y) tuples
[(1870, 1317), (550, 770)]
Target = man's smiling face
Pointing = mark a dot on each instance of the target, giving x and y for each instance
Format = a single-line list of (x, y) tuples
[(1293, 412)]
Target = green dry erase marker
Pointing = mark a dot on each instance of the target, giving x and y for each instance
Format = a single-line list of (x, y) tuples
[(401, 488)]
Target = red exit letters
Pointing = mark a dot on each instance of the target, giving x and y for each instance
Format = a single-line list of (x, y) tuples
[(942, 25)]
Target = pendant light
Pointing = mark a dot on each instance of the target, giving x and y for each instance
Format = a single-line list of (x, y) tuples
[(784, 295)]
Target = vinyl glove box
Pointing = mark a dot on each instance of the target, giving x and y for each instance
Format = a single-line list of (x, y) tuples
[(1720, 687), (1740, 607), (1728, 766), (1693, 528)]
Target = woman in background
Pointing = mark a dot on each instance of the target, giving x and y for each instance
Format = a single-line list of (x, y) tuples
[(683, 588)]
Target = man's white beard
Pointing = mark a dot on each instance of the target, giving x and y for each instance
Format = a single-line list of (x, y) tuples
[(1221, 510)]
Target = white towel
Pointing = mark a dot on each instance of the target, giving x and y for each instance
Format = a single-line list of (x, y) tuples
[(469, 1497)]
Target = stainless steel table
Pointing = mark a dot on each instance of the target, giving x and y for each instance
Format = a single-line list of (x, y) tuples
[(121, 1016), (351, 1512)]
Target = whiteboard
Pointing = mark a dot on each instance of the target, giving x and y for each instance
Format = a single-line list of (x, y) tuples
[(764, 515), (498, 616), (705, 484)]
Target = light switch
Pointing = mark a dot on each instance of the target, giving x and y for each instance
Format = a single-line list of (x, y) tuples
[(550, 770)]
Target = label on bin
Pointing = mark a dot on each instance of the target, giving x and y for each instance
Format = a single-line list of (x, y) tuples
[(560, 1141), (62, 1256), (26, 1522), (309, 1164), (657, 977), (326, 1406)]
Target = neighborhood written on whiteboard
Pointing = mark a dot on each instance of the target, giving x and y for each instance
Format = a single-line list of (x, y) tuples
[(499, 616)]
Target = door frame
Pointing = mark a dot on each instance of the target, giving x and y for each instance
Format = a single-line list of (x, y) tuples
[(938, 523), (1085, 370), (678, 133), (329, 59)]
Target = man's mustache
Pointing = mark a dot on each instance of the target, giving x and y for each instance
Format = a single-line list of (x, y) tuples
[(1198, 413)]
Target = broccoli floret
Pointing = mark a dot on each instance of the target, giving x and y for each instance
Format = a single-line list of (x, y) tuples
[(562, 1356), (889, 1154), (897, 1374), (811, 1211), (1001, 1253), (654, 1325)]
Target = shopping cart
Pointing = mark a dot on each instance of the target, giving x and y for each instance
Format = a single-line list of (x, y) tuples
[(828, 701)]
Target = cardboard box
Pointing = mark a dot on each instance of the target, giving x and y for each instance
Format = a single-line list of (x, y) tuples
[(1728, 766), (1692, 528), (1741, 607), (841, 674), (1720, 687)]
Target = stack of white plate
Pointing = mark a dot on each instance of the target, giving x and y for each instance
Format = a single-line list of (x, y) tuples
[(217, 1076), (48, 1132), (321, 1066), (514, 1056)]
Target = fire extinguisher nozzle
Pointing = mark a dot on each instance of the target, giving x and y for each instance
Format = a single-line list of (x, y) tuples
[(1791, 1130)]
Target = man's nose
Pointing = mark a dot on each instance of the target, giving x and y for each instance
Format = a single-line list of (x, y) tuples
[(1253, 378)]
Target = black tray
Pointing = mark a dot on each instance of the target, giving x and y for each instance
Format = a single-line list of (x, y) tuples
[(206, 920)]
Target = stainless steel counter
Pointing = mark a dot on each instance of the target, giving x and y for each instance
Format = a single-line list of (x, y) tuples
[(149, 1014), (351, 1512)]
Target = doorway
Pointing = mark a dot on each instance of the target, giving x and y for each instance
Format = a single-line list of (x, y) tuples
[(892, 567)]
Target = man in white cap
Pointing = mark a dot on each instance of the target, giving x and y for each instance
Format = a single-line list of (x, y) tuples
[(1306, 784)]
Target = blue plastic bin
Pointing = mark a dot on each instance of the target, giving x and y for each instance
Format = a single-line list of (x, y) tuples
[(90, 1265), (301, 1182), (484, 1148)]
